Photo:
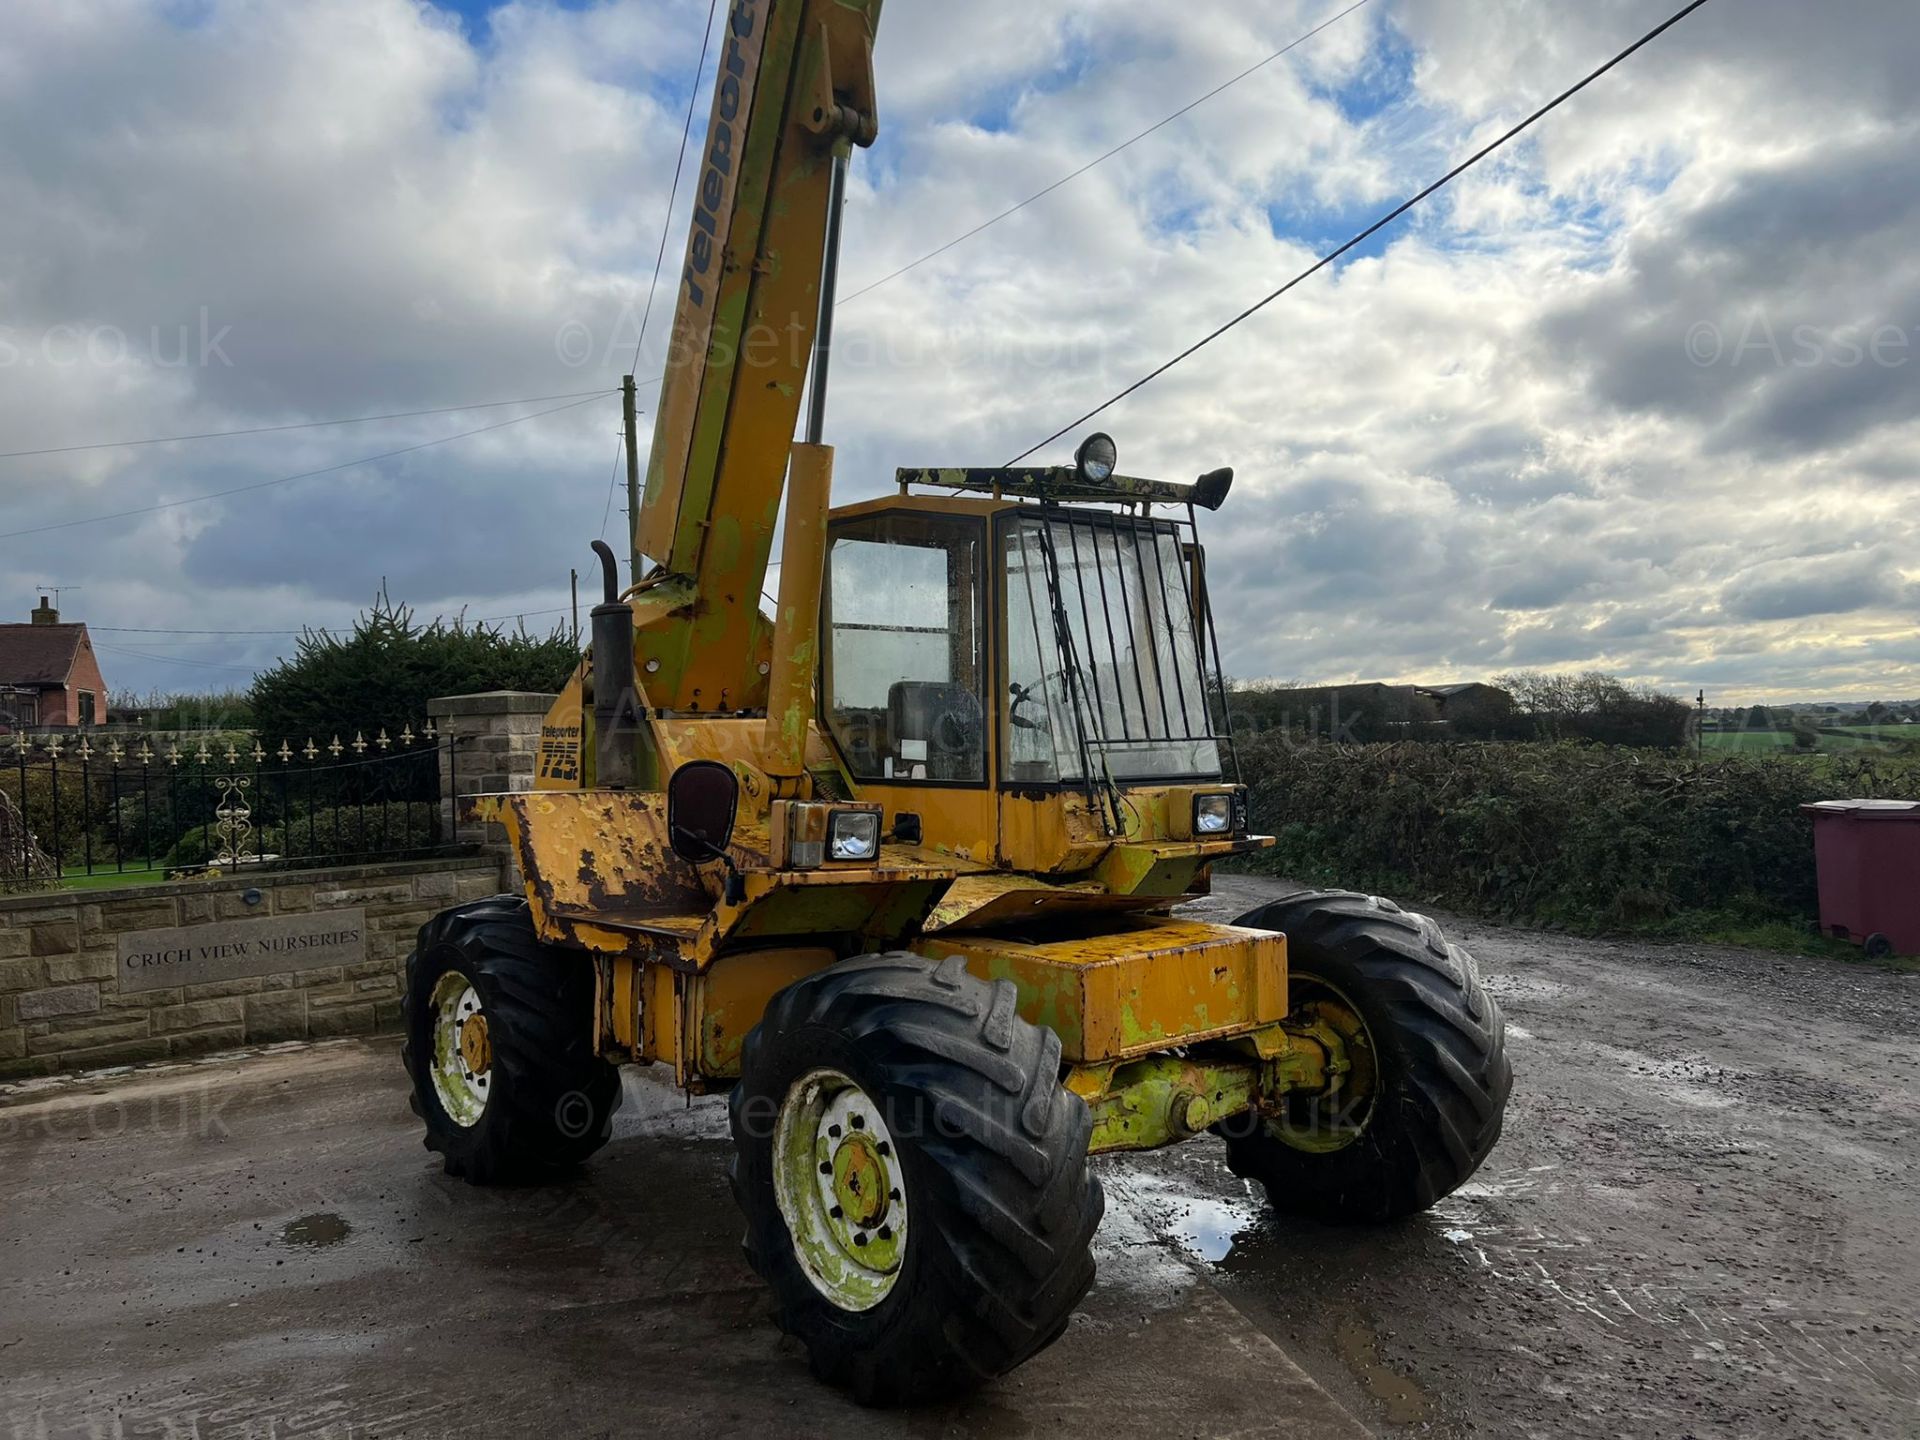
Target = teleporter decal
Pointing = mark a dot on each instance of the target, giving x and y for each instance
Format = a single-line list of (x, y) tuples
[(729, 114)]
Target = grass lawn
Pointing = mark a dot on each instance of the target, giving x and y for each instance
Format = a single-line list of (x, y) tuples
[(105, 877)]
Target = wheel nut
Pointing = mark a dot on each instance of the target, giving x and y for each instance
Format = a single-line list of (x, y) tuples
[(859, 1122), (835, 1212), (860, 1238), (826, 1168)]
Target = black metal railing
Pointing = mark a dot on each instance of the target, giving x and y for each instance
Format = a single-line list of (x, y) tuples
[(77, 805)]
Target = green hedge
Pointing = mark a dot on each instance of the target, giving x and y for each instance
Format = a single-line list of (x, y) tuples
[(1593, 837)]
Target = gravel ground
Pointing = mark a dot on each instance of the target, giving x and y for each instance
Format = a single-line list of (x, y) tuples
[(1701, 1219)]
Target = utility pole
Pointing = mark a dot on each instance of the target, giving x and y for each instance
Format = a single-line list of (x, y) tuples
[(574, 577), (1700, 725), (633, 478)]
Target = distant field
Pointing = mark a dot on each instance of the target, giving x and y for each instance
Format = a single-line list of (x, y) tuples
[(1762, 741), (1752, 739)]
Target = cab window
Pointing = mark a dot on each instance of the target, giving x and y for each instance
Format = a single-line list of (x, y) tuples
[(903, 687)]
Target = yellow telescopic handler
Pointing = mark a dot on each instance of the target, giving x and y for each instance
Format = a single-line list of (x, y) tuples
[(897, 867)]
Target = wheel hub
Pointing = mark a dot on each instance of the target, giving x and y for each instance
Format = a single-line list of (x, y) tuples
[(860, 1181), (841, 1189), (476, 1047), (462, 1050), (1329, 1119)]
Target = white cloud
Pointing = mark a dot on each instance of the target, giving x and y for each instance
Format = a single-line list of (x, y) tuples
[(1488, 443)]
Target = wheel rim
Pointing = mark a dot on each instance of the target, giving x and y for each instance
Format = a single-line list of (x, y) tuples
[(462, 1050), (841, 1189), (1332, 1118)]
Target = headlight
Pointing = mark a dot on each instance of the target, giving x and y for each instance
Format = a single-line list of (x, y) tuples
[(853, 835), (1213, 814), (1097, 459)]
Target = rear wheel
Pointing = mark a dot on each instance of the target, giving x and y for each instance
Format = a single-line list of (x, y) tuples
[(914, 1176), (1420, 1103), (499, 1047)]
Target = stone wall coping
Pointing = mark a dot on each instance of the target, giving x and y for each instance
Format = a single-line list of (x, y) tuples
[(259, 879), (492, 702)]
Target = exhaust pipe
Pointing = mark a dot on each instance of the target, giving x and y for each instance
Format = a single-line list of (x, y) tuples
[(616, 709)]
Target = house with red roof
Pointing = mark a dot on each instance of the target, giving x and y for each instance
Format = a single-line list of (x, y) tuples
[(49, 676)]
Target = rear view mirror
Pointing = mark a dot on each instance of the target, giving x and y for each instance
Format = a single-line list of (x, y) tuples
[(702, 798)]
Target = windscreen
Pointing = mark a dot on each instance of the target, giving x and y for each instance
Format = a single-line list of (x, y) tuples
[(1103, 659)]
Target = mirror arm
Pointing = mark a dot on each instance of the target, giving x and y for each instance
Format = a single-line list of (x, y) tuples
[(734, 890)]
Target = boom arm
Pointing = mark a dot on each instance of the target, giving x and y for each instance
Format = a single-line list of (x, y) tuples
[(795, 85)]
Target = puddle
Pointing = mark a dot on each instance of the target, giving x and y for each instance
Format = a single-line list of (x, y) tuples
[(1204, 1228), (1207, 1228), (316, 1230), (1404, 1402)]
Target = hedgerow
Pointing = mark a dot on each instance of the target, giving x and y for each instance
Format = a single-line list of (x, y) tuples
[(1590, 837)]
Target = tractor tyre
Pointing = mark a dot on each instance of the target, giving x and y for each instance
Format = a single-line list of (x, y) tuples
[(499, 1046), (914, 1176), (1421, 1105)]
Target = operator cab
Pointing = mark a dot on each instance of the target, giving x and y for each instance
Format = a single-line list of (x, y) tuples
[(1028, 636)]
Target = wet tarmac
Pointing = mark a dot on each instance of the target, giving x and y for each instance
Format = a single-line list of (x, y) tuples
[(258, 1248), (1701, 1222), (1703, 1219)]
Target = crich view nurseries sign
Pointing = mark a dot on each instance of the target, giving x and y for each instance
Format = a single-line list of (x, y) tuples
[(240, 949)]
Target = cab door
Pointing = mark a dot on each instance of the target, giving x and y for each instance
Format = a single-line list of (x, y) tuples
[(905, 687)]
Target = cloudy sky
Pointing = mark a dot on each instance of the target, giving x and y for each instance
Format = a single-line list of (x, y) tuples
[(1640, 395)]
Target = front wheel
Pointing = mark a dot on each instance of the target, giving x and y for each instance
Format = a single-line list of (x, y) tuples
[(500, 1049), (1420, 1101), (914, 1176)]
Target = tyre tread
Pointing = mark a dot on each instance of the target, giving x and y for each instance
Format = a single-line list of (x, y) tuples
[(1014, 1203), (1446, 1038)]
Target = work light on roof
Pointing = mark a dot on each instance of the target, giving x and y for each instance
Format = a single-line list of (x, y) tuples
[(1097, 458)]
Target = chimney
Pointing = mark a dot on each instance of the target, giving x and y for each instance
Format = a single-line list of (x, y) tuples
[(46, 614)]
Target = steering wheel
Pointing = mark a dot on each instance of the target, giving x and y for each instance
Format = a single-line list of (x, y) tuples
[(961, 730)]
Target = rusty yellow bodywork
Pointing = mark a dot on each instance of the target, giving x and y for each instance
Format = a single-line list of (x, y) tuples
[(1165, 1024), (1134, 986)]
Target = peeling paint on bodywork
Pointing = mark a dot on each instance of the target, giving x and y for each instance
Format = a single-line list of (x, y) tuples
[(1135, 984)]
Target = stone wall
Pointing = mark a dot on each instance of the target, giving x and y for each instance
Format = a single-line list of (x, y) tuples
[(63, 1006)]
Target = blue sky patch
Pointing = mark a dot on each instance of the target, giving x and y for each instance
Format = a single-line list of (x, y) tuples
[(477, 15)]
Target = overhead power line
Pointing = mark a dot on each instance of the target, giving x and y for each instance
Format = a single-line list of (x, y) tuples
[(1371, 230), (1126, 144), (300, 425), (666, 223), (176, 659), (301, 630), (302, 475), (1098, 160)]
